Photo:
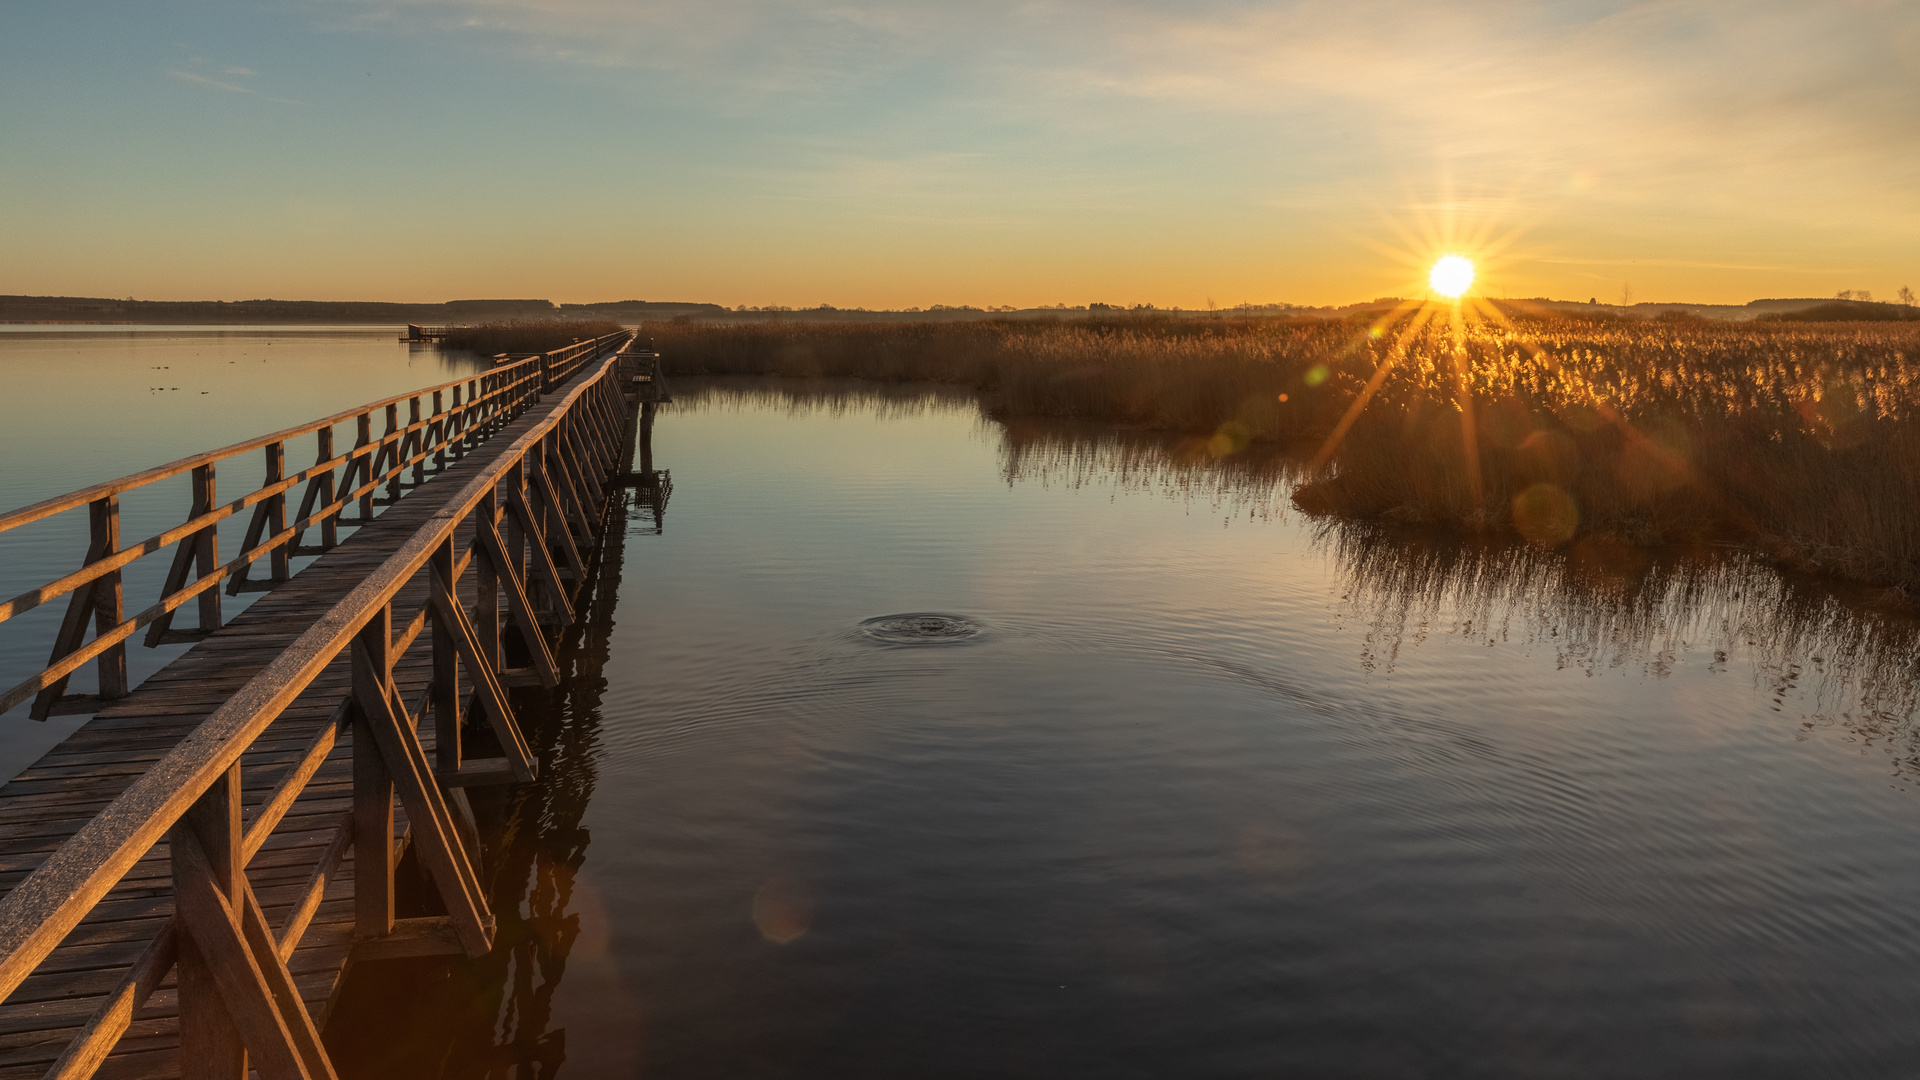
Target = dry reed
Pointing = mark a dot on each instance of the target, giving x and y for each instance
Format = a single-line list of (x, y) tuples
[(1798, 439), (525, 335)]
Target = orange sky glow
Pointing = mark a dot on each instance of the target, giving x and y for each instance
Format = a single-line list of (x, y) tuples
[(911, 154)]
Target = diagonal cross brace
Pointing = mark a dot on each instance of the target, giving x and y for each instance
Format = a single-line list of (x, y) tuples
[(521, 607), (254, 984), (447, 610), (543, 563), (433, 828)]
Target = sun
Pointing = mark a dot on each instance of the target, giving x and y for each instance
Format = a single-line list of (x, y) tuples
[(1451, 276)]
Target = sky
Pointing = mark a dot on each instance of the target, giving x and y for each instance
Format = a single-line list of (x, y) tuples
[(992, 152)]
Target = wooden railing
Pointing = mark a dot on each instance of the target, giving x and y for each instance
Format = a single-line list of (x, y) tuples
[(517, 527), (441, 424)]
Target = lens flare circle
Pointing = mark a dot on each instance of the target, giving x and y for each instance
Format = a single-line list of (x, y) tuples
[(1451, 276)]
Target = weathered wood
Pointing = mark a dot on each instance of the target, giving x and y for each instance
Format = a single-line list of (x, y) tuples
[(211, 923), (212, 731), (448, 613), (206, 855), (520, 609), (434, 935), (412, 779), (541, 558), (49, 507), (284, 992), (374, 858), (91, 1045), (479, 772), (206, 545), (86, 601), (308, 905)]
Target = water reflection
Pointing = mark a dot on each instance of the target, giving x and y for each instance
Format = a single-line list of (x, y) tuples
[(1250, 481), (98, 402), (539, 842), (493, 1017), (1820, 650), (1832, 655), (1160, 817)]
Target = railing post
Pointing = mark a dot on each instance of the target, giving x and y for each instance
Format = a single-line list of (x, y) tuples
[(516, 536), (393, 447), (277, 513), (206, 546), (211, 1047), (456, 424), (109, 602), (373, 861), (471, 413), (538, 524), (442, 428), (330, 521), (486, 579), (413, 445), (363, 463), (446, 673), (102, 600)]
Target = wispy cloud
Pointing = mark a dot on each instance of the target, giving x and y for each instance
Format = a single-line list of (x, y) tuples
[(206, 80), (1753, 98), (226, 85), (1622, 127)]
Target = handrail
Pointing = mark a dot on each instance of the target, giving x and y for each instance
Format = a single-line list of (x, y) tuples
[(550, 477), (48, 507), (490, 399)]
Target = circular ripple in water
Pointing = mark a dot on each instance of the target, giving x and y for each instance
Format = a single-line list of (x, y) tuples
[(920, 628)]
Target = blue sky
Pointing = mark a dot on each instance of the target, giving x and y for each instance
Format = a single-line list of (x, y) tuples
[(984, 153)]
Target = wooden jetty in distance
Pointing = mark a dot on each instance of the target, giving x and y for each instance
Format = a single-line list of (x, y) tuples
[(416, 332), (188, 877)]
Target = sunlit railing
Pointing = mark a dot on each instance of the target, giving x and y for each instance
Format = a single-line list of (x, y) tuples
[(511, 538), (440, 424)]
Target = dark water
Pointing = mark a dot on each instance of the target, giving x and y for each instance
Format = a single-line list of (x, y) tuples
[(909, 744), (906, 743)]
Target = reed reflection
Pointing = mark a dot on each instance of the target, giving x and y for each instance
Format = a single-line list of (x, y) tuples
[(816, 397), (1824, 651), (1821, 652), (1830, 654)]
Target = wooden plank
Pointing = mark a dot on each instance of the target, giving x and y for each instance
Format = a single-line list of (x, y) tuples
[(295, 787)]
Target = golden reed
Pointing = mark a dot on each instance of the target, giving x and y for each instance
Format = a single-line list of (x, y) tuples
[(525, 336), (1798, 439)]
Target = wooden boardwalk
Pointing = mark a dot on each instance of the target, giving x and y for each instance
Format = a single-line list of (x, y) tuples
[(109, 970)]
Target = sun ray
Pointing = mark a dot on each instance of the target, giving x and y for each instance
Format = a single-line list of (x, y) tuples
[(1422, 314), (1463, 396)]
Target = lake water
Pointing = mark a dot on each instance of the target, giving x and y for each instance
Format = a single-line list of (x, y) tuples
[(92, 403), (904, 742)]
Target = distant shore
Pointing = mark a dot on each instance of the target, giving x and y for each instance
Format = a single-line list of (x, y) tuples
[(106, 311)]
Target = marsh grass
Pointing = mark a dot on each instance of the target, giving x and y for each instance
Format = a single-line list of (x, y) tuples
[(525, 335), (1800, 440)]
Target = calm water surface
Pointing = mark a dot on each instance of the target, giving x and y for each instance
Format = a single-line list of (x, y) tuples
[(1148, 776), (92, 403), (902, 743)]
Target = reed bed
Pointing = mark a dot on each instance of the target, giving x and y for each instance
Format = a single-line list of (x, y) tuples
[(1800, 440), (525, 335)]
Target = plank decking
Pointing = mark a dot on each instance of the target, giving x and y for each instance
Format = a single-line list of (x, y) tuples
[(304, 857)]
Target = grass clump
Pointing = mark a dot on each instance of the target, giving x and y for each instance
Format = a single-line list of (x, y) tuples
[(526, 335), (1801, 440)]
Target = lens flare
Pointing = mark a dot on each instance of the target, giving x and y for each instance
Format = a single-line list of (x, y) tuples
[(1451, 276)]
